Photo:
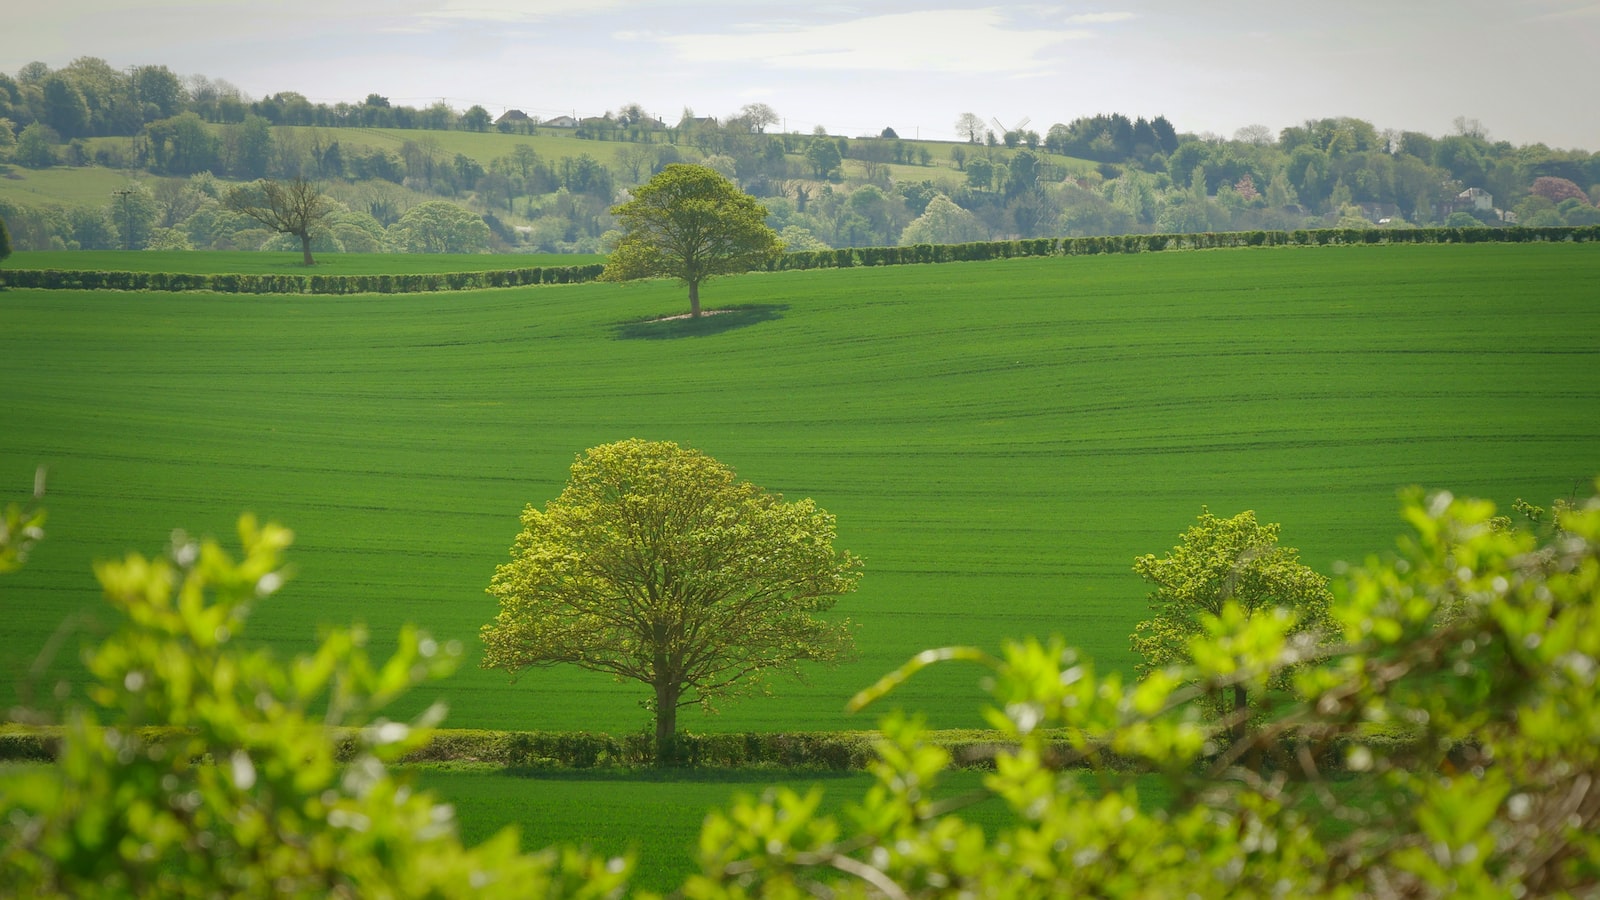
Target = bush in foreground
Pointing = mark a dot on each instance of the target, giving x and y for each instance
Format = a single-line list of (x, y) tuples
[(1480, 641)]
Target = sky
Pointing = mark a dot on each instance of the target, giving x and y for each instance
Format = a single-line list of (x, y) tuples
[(1526, 70)]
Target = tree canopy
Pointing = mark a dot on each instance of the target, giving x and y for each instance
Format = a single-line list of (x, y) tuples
[(440, 227), (1232, 566), (690, 223), (294, 207), (1448, 744), (201, 768), (656, 564)]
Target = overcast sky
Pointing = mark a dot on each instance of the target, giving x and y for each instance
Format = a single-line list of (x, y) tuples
[(1526, 69)]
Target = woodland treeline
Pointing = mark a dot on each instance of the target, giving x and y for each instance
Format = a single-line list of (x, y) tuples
[(186, 137)]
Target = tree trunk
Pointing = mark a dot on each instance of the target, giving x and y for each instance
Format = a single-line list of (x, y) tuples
[(666, 724), (305, 247), (694, 299), (1241, 715)]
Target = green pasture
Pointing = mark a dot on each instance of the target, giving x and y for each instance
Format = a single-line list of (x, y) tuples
[(62, 186), (998, 440), (481, 146), (656, 817), (246, 263)]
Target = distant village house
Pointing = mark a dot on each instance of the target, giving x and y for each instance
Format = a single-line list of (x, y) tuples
[(515, 121)]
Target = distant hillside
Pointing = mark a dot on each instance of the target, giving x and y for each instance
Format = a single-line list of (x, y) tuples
[(137, 158)]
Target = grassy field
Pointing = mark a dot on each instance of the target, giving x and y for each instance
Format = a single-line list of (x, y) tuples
[(998, 440), (655, 817), (61, 186), (92, 186), (287, 263)]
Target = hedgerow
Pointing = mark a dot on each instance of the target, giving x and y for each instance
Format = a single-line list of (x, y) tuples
[(1151, 243), (227, 283), (844, 258)]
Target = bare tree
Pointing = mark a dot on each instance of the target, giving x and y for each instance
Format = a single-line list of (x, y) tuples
[(635, 159), (294, 207), (970, 126), (759, 115), (1259, 135)]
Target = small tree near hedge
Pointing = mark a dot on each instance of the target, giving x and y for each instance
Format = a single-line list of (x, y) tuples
[(690, 223), (294, 207), (1225, 567), (657, 565), (5, 241)]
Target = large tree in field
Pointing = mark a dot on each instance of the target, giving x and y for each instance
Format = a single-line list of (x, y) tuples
[(1221, 563), (295, 207), (655, 564), (690, 223)]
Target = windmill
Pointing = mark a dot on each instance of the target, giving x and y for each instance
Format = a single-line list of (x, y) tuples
[(1021, 124)]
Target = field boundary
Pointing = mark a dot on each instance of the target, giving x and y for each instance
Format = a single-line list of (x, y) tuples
[(857, 257), (223, 283), (836, 751), (844, 258)]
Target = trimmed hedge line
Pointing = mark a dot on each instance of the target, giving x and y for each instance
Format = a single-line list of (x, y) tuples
[(1150, 243), (90, 280), (822, 750), (848, 258)]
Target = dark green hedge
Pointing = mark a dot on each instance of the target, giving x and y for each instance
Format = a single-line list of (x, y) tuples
[(822, 750), (88, 280), (74, 279), (1149, 243), (582, 750)]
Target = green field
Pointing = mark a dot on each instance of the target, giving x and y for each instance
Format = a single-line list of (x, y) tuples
[(61, 185), (245, 263), (656, 818), (998, 440)]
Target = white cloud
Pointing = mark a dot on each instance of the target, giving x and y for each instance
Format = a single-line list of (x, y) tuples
[(1100, 18), (513, 11), (434, 15), (958, 40)]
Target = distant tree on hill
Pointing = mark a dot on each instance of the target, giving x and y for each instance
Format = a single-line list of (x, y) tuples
[(64, 107), (476, 118), (294, 207), (1166, 135), (440, 227), (690, 223), (656, 565), (823, 156), (36, 146), (758, 116), (943, 222), (970, 126), (1557, 189)]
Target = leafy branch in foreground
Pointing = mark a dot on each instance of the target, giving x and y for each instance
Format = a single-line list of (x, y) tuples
[(21, 526), (206, 769), (1444, 740)]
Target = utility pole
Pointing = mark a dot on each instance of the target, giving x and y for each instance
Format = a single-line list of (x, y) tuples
[(126, 214)]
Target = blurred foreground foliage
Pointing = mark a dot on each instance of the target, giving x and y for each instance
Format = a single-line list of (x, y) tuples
[(1477, 642), (242, 794)]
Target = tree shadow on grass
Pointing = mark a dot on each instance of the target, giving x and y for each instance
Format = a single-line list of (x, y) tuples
[(711, 322)]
